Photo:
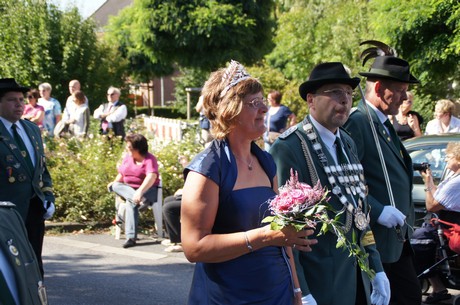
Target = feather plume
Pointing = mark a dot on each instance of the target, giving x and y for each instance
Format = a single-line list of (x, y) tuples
[(379, 49)]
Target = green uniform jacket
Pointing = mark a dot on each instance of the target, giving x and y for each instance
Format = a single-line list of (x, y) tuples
[(21, 255), (399, 167), (18, 184), (328, 273)]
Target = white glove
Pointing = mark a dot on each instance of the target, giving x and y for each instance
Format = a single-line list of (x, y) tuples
[(308, 300), (50, 208), (380, 289), (391, 217)]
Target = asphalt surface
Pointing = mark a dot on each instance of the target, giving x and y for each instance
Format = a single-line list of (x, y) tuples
[(94, 269)]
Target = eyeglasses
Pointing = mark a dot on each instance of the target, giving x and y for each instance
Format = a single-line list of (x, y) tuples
[(338, 93), (30, 96), (257, 103), (111, 94)]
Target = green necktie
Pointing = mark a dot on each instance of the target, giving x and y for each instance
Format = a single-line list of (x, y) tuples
[(341, 158), (22, 147), (393, 135), (5, 294)]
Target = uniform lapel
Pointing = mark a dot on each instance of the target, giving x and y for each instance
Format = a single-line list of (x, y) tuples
[(385, 138), (35, 144), (7, 140)]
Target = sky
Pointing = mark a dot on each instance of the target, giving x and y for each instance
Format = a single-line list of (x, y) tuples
[(86, 7)]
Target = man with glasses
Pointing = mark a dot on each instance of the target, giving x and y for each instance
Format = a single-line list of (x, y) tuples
[(319, 150), (388, 171), (112, 114)]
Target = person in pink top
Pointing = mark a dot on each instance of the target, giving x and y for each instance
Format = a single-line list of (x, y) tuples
[(32, 111), (137, 182)]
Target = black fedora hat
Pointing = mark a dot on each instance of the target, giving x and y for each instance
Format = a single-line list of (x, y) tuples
[(327, 73), (9, 84), (390, 67)]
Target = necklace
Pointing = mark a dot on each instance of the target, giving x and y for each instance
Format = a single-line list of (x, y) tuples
[(248, 164), (349, 176)]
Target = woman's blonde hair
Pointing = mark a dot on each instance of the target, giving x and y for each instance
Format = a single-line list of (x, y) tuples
[(454, 149), (222, 111), (445, 106)]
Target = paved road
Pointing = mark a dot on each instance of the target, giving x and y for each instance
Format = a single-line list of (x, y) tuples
[(94, 269)]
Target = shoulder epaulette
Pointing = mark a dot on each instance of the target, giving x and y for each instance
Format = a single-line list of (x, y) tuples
[(6, 204), (288, 132)]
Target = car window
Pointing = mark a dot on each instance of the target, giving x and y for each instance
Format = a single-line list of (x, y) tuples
[(432, 154)]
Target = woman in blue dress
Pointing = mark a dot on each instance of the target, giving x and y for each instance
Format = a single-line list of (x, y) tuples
[(238, 260)]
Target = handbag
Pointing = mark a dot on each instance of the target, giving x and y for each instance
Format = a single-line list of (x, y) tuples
[(452, 233), (61, 129), (272, 136)]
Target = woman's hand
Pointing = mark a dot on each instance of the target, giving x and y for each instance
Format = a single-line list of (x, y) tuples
[(412, 121), (137, 198), (289, 237), (427, 175)]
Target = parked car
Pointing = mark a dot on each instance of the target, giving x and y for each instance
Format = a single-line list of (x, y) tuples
[(428, 149)]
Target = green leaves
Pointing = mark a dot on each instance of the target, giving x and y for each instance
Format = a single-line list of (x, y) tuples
[(195, 34)]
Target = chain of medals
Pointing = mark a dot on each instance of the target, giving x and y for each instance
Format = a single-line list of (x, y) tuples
[(350, 176)]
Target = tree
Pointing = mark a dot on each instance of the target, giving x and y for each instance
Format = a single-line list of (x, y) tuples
[(39, 43), (428, 36), (317, 31), (194, 34)]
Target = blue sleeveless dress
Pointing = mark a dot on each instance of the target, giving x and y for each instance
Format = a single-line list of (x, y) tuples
[(259, 277)]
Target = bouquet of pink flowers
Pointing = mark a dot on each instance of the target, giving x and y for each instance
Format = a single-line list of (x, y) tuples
[(302, 206)]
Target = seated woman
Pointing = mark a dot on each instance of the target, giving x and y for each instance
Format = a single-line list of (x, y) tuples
[(439, 199), (137, 182)]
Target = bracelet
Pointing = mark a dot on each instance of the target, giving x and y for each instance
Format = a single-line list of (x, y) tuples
[(428, 189), (297, 290), (248, 244)]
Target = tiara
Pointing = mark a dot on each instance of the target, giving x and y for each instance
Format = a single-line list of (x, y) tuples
[(234, 74)]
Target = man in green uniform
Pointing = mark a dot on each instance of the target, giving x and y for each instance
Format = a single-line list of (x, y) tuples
[(20, 279), (24, 178), (320, 151), (392, 209)]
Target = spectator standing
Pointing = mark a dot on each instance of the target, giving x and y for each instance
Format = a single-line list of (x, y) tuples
[(277, 119), (79, 120), (74, 85), (20, 279), (112, 114), (205, 124), (315, 149), (137, 182), (24, 177), (444, 121), (392, 209), (53, 111), (226, 192), (32, 111), (407, 122)]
